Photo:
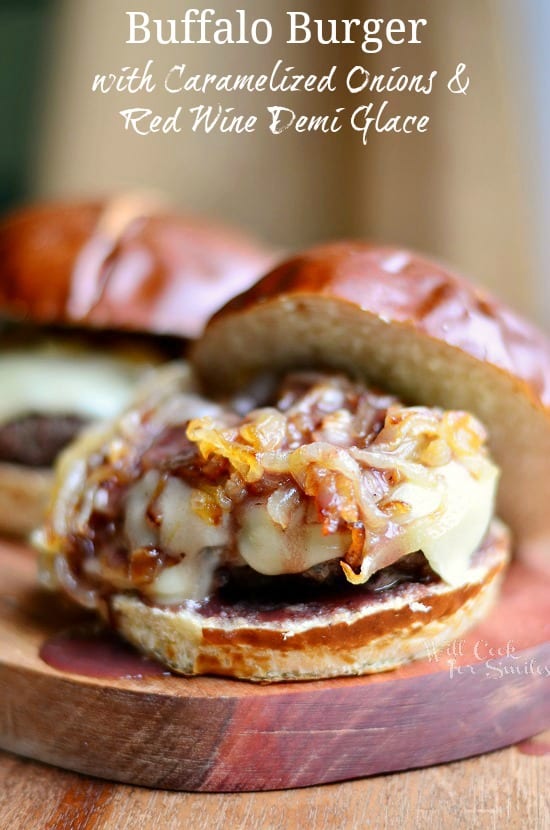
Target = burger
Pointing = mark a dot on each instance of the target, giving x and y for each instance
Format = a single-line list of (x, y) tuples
[(88, 293), (323, 492)]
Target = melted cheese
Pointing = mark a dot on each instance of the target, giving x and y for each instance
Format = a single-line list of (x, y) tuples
[(272, 550), (139, 532), (448, 524), (190, 579), (53, 380), (446, 521), (182, 529), (437, 501)]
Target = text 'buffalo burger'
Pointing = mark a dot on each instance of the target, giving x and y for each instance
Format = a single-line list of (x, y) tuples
[(307, 524), (88, 299)]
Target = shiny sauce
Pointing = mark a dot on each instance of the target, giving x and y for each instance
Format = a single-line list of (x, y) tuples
[(537, 746), (244, 593), (91, 651)]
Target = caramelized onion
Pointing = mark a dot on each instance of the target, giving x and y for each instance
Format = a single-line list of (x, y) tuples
[(281, 504), (331, 471)]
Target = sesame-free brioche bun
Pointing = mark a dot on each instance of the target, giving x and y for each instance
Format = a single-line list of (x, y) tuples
[(361, 634), (411, 327), (127, 263)]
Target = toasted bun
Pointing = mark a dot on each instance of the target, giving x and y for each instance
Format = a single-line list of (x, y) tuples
[(408, 325), (125, 264), (24, 496), (380, 632)]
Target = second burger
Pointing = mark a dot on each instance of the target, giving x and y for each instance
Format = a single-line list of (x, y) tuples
[(92, 294)]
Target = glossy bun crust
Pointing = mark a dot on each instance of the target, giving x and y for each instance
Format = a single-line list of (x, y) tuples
[(411, 327), (124, 264), (374, 632)]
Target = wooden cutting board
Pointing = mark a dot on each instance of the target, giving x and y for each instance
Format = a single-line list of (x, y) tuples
[(489, 690)]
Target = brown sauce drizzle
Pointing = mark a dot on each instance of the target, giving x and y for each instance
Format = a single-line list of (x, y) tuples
[(91, 651), (535, 746)]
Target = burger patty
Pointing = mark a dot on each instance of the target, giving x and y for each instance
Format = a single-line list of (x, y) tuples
[(246, 591), (36, 440)]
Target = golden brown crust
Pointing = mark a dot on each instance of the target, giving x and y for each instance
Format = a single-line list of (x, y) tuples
[(407, 325), (127, 264), (381, 633)]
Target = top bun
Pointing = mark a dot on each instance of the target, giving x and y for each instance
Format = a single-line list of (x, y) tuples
[(413, 328), (126, 264)]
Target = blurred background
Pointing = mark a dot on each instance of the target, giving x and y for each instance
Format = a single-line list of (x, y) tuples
[(474, 190)]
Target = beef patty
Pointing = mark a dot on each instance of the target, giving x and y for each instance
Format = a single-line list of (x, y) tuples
[(36, 440)]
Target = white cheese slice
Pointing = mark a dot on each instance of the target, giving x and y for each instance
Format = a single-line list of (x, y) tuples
[(270, 550), (449, 536), (189, 579), (57, 381), (446, 521), (139, 532), (183, 531)]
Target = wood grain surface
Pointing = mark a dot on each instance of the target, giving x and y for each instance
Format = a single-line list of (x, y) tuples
[(506, 789), (490, 690)]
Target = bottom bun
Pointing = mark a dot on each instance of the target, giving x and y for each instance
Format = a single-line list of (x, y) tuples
[(24, 496), (360, 633)]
